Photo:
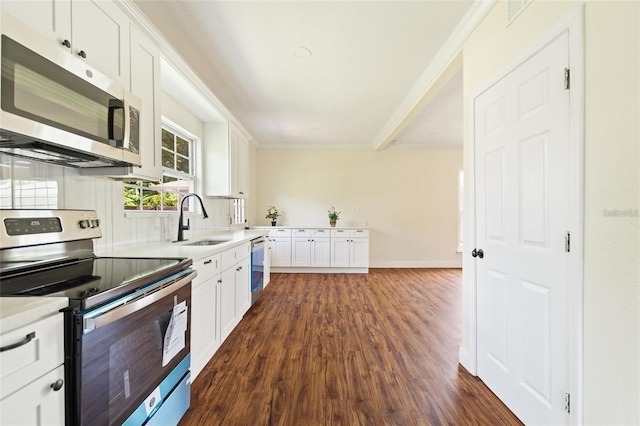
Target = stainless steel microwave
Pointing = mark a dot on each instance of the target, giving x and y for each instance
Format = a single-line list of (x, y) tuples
[(57, 109)]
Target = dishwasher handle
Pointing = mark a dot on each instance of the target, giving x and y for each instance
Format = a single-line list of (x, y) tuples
[(258, 242)]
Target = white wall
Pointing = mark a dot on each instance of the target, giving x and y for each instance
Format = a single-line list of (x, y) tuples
[(407, 197), (75, 191), (612, 181)]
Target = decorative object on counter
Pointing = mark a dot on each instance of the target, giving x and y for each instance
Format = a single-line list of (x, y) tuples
[(272, 213), (181, 227), (334, 216)]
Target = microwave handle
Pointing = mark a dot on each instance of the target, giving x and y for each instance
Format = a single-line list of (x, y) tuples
[(114, 105), (131, 307)]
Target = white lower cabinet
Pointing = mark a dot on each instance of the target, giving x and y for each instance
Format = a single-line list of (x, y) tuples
[(344, 248), (32, 373), (205, 325), (243, 288), (235, 288), (350, 248), (267, 263), (359, 253), (310, 251), (281, 251), (35, 404), (220, 296), (227, 302)]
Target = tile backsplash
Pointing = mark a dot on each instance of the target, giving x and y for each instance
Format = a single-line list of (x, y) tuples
[(26, 184)]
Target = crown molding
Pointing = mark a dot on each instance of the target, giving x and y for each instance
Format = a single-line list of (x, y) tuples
[(181, 66)]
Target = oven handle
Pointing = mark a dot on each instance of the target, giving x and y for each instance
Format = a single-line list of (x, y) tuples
[(131, 307)]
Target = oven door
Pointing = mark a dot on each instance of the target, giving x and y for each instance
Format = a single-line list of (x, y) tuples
[(122, 351)]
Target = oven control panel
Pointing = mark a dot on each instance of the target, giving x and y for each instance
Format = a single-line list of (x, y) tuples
[(30, 227)]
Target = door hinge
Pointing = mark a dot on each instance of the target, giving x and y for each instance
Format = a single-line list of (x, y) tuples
[(567, 402), (567, 242), (567, 79)]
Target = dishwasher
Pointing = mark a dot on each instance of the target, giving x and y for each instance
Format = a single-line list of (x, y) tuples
[(257, 268)]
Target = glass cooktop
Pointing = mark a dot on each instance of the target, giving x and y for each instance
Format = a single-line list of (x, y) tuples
[(92, 281)]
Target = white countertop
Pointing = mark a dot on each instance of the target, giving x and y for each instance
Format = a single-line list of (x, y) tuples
[(308, 227), (183, 249), (16, 312)]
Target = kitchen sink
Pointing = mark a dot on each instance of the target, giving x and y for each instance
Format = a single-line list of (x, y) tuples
[(207, 243)]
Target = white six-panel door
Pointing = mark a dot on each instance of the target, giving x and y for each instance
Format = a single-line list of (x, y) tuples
[(522, 153)]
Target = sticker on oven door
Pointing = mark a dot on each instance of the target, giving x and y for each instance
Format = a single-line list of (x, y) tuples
[(174, 340)]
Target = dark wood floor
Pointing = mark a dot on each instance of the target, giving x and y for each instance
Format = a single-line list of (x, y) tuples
[(338, 349)]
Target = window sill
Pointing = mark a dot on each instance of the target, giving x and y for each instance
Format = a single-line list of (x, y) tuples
[(142, 213)]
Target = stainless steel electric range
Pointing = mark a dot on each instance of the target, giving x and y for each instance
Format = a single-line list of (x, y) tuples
[(127, 329)]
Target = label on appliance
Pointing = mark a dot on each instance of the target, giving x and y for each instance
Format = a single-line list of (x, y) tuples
[(174, 340), (152, 400)]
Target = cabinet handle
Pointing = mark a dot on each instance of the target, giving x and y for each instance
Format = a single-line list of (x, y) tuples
[(26, 340), (206, 262), (66, 44), (57, 385), (219, 281), (82, 54)]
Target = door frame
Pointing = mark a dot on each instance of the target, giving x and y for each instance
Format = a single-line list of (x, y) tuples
[(573, 25)]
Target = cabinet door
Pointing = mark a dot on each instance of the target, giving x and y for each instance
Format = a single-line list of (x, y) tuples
[(267, 263), (37, 403), (239, 164), (145, 83), (340, 252), (359, 256), (243, 288), (281, 252), (300, 252), (227, 302), (320, 252), (51, 18), (204, 324), (101, 31)]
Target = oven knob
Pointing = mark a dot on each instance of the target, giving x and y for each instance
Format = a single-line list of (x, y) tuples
[(84, 224), (95, 223)]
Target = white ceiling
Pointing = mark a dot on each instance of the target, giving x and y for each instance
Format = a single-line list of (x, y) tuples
[(366, 58)]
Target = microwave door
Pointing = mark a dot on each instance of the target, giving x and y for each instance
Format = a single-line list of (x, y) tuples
[(43, 103)]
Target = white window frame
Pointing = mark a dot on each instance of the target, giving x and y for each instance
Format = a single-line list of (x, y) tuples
[(159, 186)]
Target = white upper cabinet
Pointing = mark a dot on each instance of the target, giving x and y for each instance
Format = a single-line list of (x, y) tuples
[(95, 31), (225, 161), (101, 36), (51, 18), (145, 84)]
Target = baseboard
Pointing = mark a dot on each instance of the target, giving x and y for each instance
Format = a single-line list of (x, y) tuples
[(312, 270), (464, 358), (416, 264)]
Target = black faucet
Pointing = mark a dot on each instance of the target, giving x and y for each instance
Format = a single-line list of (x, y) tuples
[(182, 227)]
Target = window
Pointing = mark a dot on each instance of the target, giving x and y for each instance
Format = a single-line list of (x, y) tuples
[(177, 176), (237, 215)]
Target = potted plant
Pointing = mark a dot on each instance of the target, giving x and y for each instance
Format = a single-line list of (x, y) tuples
[(333, 216), (272, 213)]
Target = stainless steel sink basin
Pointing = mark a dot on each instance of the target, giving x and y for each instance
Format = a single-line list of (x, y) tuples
[(206, 243)]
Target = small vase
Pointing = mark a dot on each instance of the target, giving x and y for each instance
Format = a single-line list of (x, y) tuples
[(332, 223), (273, 223)]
